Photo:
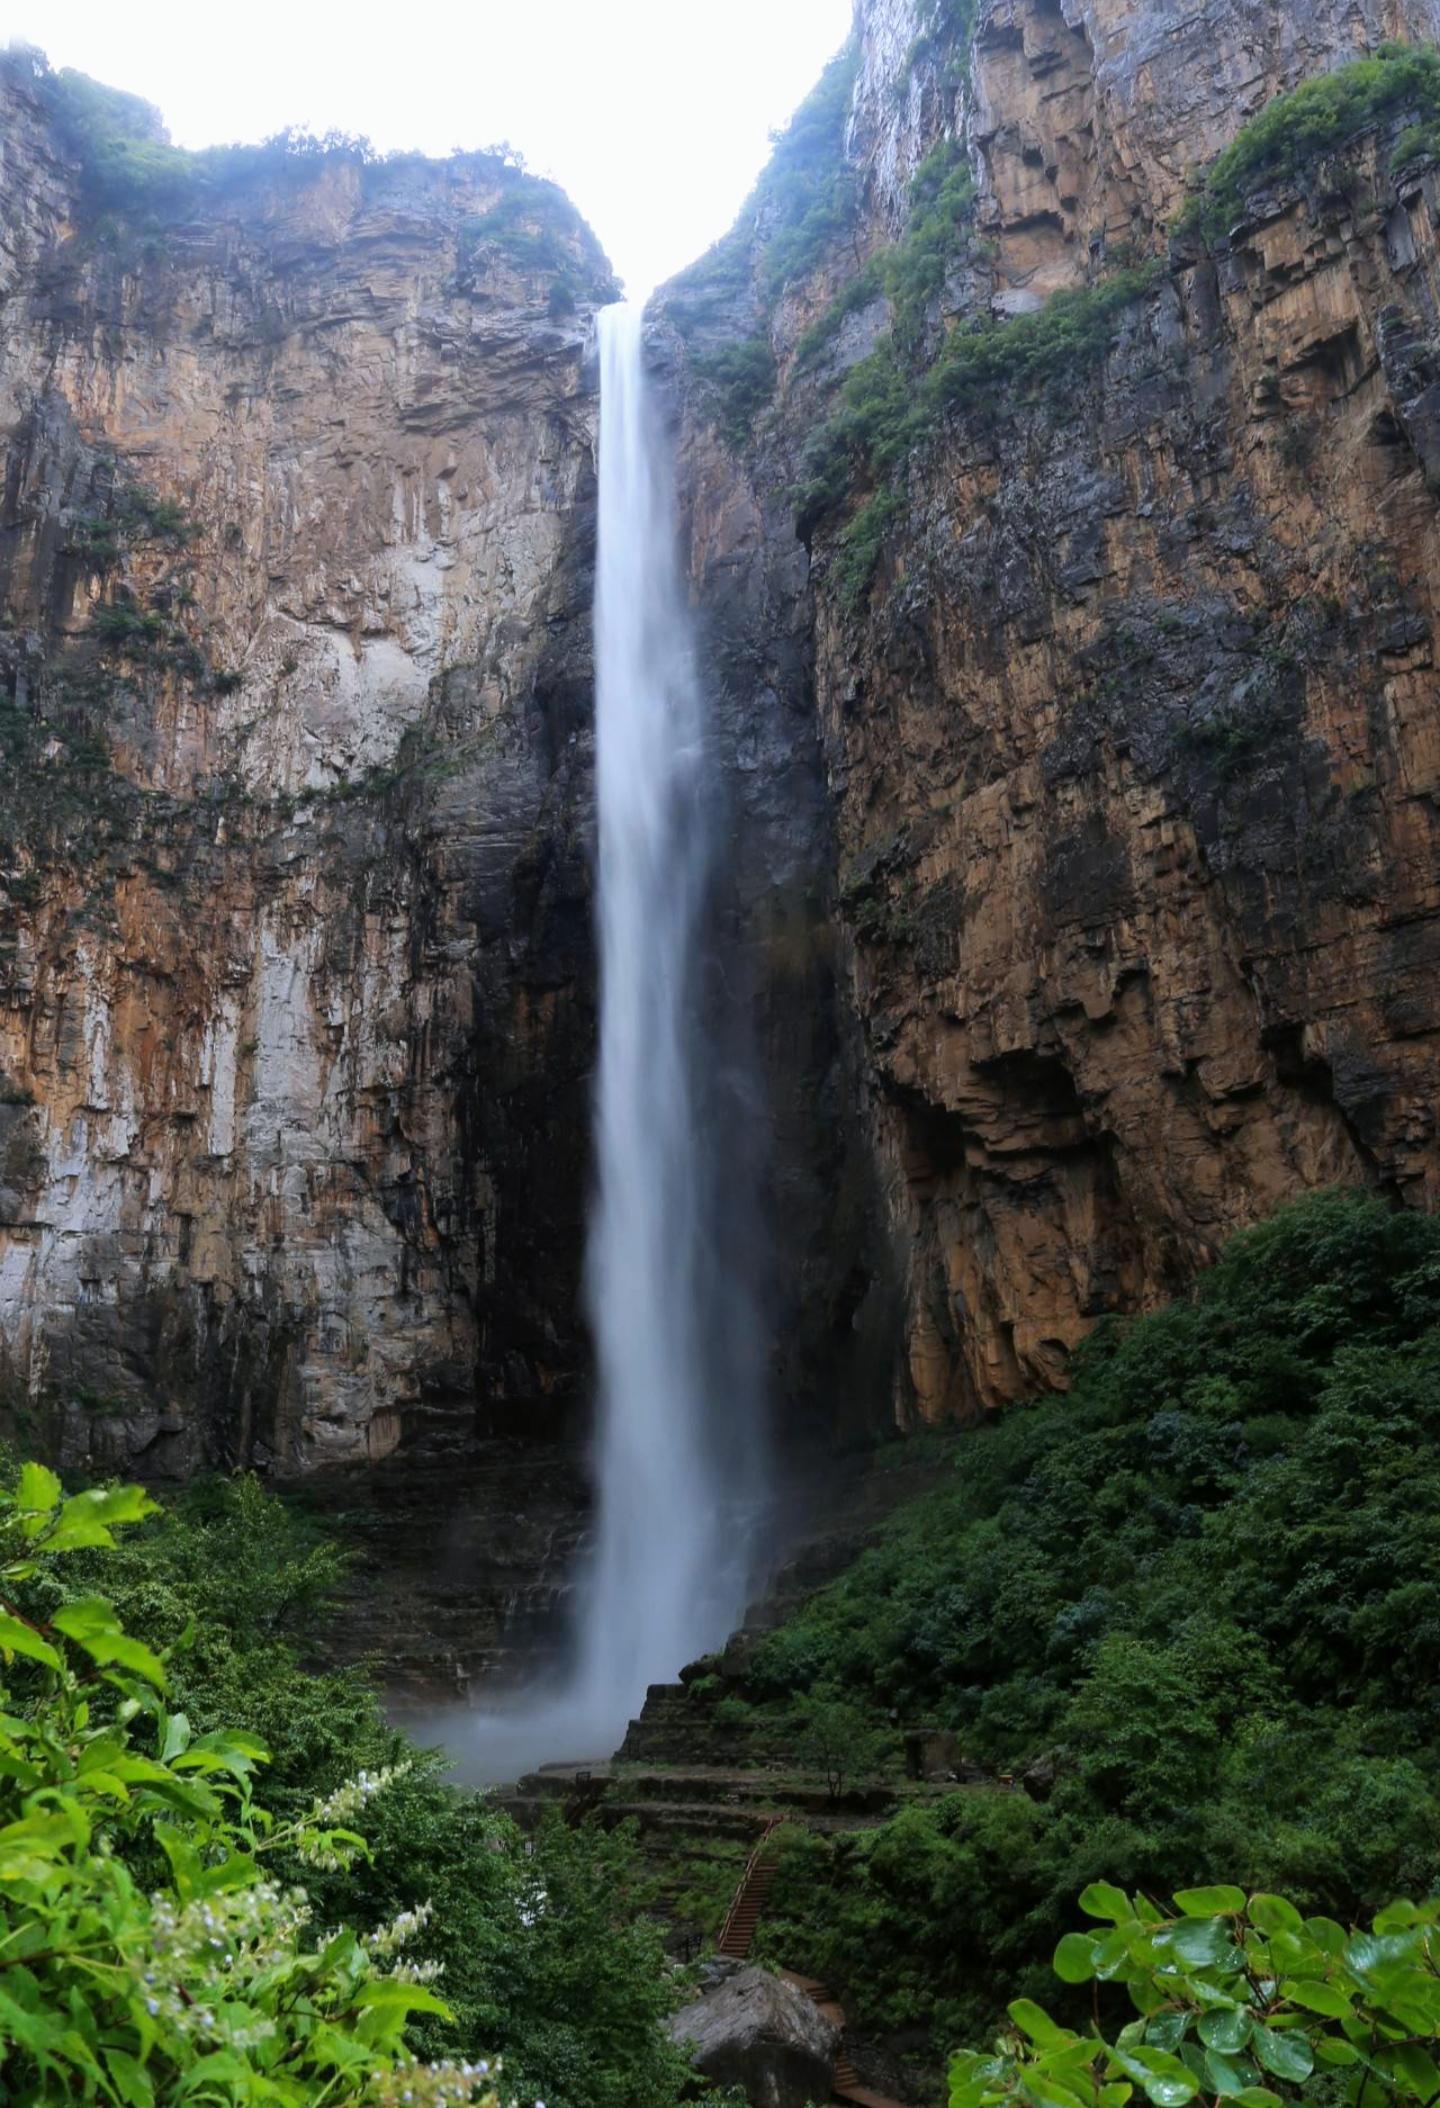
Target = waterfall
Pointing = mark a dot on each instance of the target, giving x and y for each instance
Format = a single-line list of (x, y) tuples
[(666, 1311), (677, 1345)]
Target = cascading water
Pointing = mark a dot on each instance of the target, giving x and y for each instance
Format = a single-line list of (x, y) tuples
[(670, 1573), (679, 1425)]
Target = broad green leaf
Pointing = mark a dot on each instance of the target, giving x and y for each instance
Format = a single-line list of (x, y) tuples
[(1226, 2029), (16, 1637), (389, 1993), (1203, 1943), (1271, 1914), (1075, 1958), (1288, 2056), (1397, 1917), (1111, 1952), (1162, 2078), (1103, 1900), (1210, 1902), (38, 1489), (1418, 2068), (1335, 2050), (129, 2078), (1317, 1997), (1222, 2074), (1034, 2021)]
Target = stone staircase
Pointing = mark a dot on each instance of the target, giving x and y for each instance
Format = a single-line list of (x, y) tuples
[(736, 1938), (753, 1893)]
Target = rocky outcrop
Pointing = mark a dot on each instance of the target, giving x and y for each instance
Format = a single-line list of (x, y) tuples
[(1130, 733), (295, 969), (761, 2034)]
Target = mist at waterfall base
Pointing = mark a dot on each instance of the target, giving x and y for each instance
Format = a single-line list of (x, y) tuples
[(679, 1462)]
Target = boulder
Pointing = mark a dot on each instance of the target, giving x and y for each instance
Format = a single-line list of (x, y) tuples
[(759, 2033)]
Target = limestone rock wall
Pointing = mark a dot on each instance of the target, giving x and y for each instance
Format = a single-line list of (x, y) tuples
[(295, 970), (1131, 739)]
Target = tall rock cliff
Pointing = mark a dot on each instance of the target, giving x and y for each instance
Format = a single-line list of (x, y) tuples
[(1060, 439), (295, 965), (1101, 475)]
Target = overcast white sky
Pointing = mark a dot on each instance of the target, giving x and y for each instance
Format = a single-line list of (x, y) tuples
[(652, 113)]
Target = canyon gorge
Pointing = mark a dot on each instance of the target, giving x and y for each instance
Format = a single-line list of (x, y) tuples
[(1080, 754)]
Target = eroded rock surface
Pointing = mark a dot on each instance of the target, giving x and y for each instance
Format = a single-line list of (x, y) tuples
[(761, 2034), (1131, 737), (295, 966)]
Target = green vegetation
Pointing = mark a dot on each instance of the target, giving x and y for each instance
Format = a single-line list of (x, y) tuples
[(805, 200), (1195, 1601), (911, 273), (885, 411), (1237, 1998), (543, 1955), (1319, 117), (803, 203), (132, 175), (151, 1954), (535, 226), (741, 380), (947, 28), (133, 515)]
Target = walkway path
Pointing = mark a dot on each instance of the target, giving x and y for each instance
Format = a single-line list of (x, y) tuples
[(736, 1937)]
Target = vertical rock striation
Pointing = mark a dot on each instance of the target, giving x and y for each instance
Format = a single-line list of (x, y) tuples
[(295, 966), (1121, 632)]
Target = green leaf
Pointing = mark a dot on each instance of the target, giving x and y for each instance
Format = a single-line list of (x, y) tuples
[(1034, 2021), (1273, 1914), (1335, 2051), (1418, 2068), (1317, 1997), (1202, 1943), (1163, 2078), (1210, 1902), (1103, 1900), (1075, 1958), (1226, 2030), (38, 1490), (388, 1993), (1287, 2056), (16, 1637), (1222, 2075)]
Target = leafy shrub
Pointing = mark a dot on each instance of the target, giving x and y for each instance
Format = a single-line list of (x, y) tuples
[(884, 411), (245, 1579), (149, 1957), (741, 381), (1317, 118), (1237, 1999), (1195, 1598), (534, 225)]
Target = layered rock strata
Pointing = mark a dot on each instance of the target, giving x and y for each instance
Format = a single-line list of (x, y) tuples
[(1131, 730)]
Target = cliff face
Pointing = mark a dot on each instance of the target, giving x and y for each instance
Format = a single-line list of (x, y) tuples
[(1079, 731), (295, 967), (1127, 703)]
